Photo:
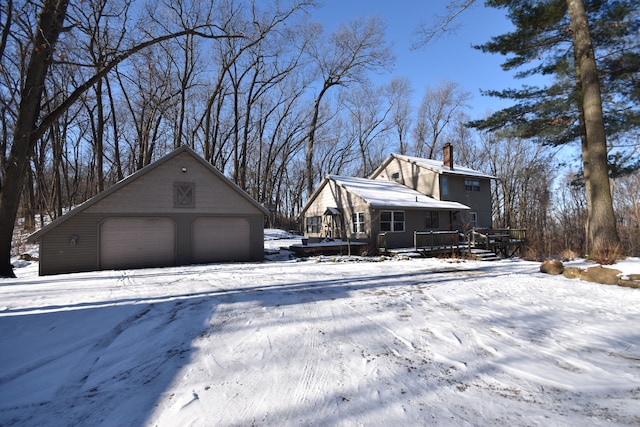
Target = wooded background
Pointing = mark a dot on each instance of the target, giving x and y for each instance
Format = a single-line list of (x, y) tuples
[(275, 103)]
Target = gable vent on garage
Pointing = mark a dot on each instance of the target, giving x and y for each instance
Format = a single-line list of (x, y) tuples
[(184, 194)]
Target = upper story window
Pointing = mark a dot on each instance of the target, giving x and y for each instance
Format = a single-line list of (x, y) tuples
[(472, 185), (357, 222), (444, 185), (392, 221), (395, 175), (314, 224)]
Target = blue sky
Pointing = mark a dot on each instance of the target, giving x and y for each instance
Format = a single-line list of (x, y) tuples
[(451, 57)]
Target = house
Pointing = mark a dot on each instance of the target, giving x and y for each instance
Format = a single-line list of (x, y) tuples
[(403, 196), (178, 210), (359, 209), (443, 180)]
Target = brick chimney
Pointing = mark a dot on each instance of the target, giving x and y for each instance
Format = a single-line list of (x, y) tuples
[(448, 155)]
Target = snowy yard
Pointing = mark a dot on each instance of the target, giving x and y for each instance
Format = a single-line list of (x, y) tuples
[(316, 342)]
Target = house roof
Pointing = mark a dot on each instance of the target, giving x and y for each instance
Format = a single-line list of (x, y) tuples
[(434, 165), (390, 194), (115, 187)]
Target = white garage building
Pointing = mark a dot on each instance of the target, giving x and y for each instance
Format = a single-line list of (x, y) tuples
[(178, 210)]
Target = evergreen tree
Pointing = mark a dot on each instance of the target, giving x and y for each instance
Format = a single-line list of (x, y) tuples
[(595, 65)]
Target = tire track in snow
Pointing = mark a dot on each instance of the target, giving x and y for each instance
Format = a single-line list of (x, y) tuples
[(303, 390)]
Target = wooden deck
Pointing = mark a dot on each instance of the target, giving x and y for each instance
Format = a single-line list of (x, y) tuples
[(490, 243), (501, 243), (328, 247)]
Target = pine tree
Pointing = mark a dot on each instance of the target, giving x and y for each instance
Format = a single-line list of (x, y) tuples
[(595, 67)]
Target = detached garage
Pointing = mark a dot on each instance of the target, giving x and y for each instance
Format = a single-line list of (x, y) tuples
[(179, 210)]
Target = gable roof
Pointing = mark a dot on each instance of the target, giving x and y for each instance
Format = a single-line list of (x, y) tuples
[(433, 165), (390, 194), (134, 176)]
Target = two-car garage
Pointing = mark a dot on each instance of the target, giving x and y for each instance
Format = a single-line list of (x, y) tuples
[(178, 210), (131, 242)]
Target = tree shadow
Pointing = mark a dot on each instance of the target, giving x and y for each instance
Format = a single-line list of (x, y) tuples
[(112, 362)]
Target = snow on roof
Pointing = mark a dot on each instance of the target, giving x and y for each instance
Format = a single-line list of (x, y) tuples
[(389, 194), (438, 166)]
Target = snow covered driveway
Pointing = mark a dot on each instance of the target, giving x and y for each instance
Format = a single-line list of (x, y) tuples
[(398, 342)]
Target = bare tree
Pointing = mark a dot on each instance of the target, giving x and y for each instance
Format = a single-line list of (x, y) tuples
[(148, 93), (440, 24), (30, 125), (351, 51), (522, 192), (50, 25), (569, 213), (398, 93), (468, 152), (438, 109), (367, 124), (626, 193)]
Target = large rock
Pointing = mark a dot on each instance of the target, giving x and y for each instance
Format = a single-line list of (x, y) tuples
[(630, 281), (573, 273), (599, 274), (596, 274), (553, 266)]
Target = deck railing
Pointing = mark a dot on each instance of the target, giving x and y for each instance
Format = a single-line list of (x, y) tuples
[(382, 241), (500, 240), (436, 240)]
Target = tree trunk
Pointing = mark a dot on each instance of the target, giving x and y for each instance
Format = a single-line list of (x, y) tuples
[(312, 139), (49, 26), (116, 138), (98, 138), (602, 235)]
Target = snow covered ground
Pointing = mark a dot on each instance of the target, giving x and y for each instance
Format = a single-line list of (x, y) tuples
[(323, 341)]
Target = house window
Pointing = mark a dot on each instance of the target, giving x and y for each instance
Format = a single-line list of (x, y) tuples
[(432, 219), (473, 220), (472, 185), (357, 222), (314, 224), (395, 175), (392, 221), (444, 184), (184, 194)]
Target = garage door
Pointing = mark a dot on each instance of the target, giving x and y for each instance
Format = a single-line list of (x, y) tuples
[(221, 239), (137, 242)]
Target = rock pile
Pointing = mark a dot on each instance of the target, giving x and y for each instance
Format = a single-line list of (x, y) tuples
[(597, 274)]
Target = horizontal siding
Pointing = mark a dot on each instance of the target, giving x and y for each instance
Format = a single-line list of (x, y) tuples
[(154, 192), (479, 201), (57, 255), (410, 175), (325, 199)]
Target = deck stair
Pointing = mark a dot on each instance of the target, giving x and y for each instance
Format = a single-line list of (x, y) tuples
[(481, 254)]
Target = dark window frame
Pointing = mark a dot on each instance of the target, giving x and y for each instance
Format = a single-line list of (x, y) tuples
[(432, 219), (471, 184), (392, 221)]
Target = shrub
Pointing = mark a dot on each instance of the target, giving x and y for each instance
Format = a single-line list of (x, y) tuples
[(568, 255), (607, 255)]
